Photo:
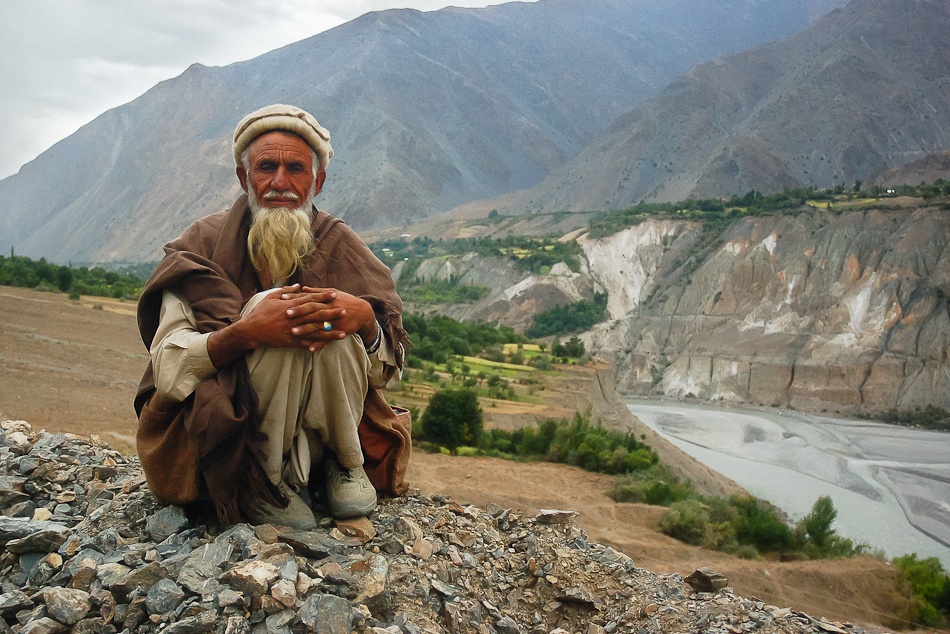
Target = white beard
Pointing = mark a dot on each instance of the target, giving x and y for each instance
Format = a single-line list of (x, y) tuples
[(280, 237)]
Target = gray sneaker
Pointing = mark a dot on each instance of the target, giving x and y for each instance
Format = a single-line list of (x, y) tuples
[(297, 515), (349, 491)]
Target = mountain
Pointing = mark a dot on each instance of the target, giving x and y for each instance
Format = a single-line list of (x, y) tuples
[(426, 110), (859, 91), (928, 169)]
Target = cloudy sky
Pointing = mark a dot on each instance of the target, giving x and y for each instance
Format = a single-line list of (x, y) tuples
[(64, 62)]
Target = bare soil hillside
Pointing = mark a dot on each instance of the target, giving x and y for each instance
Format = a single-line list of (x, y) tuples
[(74, 366)]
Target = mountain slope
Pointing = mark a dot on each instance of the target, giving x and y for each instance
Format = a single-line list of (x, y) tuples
[(427, 111), (859, 91), (928, 169)]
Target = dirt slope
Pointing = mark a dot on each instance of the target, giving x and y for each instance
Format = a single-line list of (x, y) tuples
[(70, 367)]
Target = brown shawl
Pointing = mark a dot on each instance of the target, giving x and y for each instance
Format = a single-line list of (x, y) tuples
[(209, 444)]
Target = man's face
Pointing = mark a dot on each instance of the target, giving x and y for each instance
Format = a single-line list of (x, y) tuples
[(280, 170)]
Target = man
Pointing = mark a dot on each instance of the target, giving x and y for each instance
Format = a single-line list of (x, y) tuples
[(271, 328)]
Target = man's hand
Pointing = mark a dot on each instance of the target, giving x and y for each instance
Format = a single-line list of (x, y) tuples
[(292, 317), (314, 308)]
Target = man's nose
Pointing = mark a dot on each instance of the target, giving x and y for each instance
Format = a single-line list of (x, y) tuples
[(281, 178)]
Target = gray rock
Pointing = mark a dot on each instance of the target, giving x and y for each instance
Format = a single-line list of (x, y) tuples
[(507, 625), (166, 522), (326, 614), (215, 554), (313, 544), (25, 508), (199, 624), (110, 574), (706, 580), (19, 527), (554, 516), (41, 572), (164, 596), (227, 597), (46, 540), (66, 605), (14, 601), (44, 625), (444, 589), (279, 620), (139, 579), (9, 497), (194, 574)]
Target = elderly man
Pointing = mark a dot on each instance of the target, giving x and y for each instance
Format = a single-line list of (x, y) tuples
[(271, 328)]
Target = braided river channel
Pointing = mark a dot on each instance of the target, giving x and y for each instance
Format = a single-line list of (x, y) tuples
[(890, 485)]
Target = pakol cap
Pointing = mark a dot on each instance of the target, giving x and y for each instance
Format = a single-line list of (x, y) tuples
[(284, 118)]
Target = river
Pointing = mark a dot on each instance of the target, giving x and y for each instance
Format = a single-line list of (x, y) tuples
[(890, 485)]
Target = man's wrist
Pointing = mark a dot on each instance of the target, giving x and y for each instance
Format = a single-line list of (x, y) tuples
[(373, 346)]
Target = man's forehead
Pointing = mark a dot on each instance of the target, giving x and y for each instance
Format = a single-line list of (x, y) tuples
[(279, 141)]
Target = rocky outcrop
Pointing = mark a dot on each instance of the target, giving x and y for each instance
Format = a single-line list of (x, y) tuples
[(85, 547), (515, 296), (819, 310)]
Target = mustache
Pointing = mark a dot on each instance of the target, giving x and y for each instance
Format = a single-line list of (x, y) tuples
[(278, 194)]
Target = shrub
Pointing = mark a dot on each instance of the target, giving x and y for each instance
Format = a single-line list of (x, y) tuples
[(453, 418), (759, 524), (686, 521), (930, 586)]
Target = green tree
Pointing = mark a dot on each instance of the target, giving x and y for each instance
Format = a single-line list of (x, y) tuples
[(817, 524), (453, 419), (930, 586)]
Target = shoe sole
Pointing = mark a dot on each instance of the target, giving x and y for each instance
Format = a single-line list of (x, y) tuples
[(350, 513)]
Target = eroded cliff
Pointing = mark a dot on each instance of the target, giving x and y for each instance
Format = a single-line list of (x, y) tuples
[(816, 310)]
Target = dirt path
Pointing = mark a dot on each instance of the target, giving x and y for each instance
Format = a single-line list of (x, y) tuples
[(69, 367)]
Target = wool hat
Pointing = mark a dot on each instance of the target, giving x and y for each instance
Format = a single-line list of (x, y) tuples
[(284, 118)]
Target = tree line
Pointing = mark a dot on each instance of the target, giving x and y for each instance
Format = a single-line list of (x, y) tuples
[(18, 270)]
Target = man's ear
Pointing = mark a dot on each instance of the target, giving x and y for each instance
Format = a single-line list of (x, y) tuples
[(321, 179), (242, 176)]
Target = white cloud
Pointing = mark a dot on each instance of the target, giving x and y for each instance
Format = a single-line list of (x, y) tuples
[(64, 62)]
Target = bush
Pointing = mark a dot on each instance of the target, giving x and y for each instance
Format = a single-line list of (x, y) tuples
[(453, 418), (656, 486), (759, 524), (686, 521), (930, 586)]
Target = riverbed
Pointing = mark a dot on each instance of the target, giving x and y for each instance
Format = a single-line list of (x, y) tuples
[(890, 485)]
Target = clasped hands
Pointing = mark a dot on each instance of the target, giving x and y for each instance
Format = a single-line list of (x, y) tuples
[(294, 317)]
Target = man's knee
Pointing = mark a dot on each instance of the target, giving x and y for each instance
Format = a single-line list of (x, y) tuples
[(345, 351)]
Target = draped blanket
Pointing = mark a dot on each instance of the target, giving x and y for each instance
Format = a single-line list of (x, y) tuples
[(209, 445)]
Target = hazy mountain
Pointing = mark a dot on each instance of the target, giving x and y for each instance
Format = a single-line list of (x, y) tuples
[(426, 110), (864, 89), (926, 170)]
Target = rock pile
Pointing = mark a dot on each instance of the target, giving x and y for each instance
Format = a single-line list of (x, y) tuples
[(87, 548)]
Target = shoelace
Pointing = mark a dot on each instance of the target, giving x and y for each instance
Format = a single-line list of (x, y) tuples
[(346, 475)]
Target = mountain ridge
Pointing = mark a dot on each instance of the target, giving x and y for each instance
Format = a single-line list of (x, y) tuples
[(427, 111), (820, 108)]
